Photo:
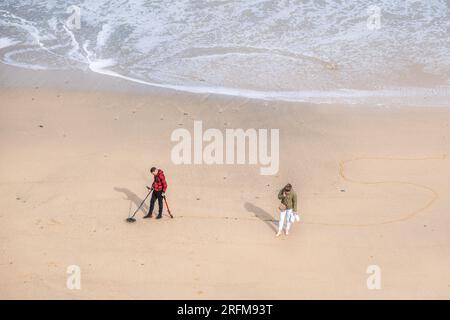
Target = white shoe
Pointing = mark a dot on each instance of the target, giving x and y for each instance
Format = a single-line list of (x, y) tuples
[(278, 234), (297, 218), (287, 232)]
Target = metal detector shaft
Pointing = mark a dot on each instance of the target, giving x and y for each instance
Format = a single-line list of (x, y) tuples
[(141, 203)]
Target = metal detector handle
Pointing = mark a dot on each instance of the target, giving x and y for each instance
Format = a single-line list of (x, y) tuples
[(167, 206)]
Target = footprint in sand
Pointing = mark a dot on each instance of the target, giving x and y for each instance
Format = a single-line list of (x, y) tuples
[(54, 222)]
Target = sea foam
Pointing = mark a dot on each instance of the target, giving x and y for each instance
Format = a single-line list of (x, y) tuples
[(261, 49)]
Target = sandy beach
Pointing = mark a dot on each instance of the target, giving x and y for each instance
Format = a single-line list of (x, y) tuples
[(372, 182)]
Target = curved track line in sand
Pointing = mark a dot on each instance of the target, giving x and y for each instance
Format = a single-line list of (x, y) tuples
[(433, 193), (342, 165)]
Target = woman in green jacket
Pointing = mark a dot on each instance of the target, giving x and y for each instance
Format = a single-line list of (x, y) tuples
[(288, 208)]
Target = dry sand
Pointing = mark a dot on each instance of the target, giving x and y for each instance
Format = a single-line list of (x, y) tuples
[(373, 186)]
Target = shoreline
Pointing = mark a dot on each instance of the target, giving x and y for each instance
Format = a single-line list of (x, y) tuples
[(12, 76)]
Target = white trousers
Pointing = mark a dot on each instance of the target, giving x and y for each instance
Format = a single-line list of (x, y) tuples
[(285, 217)]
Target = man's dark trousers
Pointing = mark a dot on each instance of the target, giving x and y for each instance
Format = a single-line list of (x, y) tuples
[(156, 195)]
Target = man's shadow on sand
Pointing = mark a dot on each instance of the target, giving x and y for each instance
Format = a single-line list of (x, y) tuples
[(262, 215), (134, 198)]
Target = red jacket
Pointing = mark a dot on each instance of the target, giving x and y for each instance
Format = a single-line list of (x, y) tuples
[(160, 182)]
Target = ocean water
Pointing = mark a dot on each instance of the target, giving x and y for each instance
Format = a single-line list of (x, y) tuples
[(266, 49)]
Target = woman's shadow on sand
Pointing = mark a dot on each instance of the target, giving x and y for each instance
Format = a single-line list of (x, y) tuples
[(134, 198), (262, 215)]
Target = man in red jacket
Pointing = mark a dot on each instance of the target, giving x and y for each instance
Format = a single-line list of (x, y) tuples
[(159, 187)]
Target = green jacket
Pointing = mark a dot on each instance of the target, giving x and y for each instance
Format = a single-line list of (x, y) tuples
[(290, 200)]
